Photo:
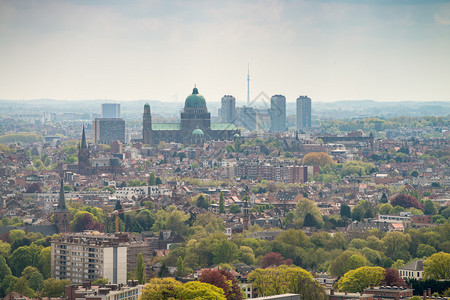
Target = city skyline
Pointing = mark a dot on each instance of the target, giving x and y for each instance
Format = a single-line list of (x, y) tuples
[(328, 50)]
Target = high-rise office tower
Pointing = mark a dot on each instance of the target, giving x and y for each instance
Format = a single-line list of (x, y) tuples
[(228, 109), (110, 110), (303, 112), (147, 132), (107, 130), (278, 113)]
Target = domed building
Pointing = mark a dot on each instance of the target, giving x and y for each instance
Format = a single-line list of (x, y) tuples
[(195, 125)]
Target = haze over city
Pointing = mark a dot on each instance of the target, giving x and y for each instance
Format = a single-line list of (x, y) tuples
[(129, 50)]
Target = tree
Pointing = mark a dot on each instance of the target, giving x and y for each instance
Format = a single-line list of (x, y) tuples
[(158, 180), (224, 251), (160, 288), (234, 209), (406, 201), (359, 279), (273, 259), (36, 281), (44, 261), (100, 281), (202, 202), (54, 287), (180, 267), (392, 277), (364, 209), (310, 221), (164, 271), (5, 249), (385, 208), (199, 290), (84, 220), (152, 179), (414, 173), (28, 271), (7, 284), (345, 211), (4, 269), (320, 159), (383, 198), (224, 280), (221, 204), (304, 207), (424, 250), (437, 266), (429, 207), (283, 279), (21, 287), (348, 260), (396, 245), (24, 256), (140, 269)]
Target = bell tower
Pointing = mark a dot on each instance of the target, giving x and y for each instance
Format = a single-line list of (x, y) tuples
[(84, 165), (61, 216)]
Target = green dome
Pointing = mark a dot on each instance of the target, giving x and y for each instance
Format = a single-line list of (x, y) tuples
[(147, 105), (195, 100), (236, 135), (197, 131)]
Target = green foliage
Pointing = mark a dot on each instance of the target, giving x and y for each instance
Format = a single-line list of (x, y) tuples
[(135, 183), (22, 137), (23, 257), (36, 281), (437, 266), (283, 279), (100, 281), (320, 159), (221, 204), (169, 288), (54, 287), (359, 279), (21, 286), (4, 269), (357, 168), (152, 179), (348, 260), (234, 209), (140, 269)]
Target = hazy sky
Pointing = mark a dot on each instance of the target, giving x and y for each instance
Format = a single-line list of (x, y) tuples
[(385, 50)]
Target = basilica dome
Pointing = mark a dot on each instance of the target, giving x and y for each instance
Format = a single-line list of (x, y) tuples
[(195, 100)]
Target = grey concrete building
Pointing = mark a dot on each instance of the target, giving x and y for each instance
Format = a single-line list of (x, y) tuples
[(278, 113)]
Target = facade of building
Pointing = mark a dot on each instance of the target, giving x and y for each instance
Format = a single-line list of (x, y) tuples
[(107, 130), (247, 118), (227, 110), (132, 291), (194, 116), (111, 110), (413, 270), (278, 113), (303, 112), (88, 256)]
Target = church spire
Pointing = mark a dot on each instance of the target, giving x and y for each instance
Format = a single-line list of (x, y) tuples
[(83, 140), (62, 200)]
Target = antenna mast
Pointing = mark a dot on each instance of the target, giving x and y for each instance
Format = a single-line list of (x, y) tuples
[(248, 85)]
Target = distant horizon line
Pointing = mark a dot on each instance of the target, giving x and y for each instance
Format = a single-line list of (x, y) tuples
[(218, 101)]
